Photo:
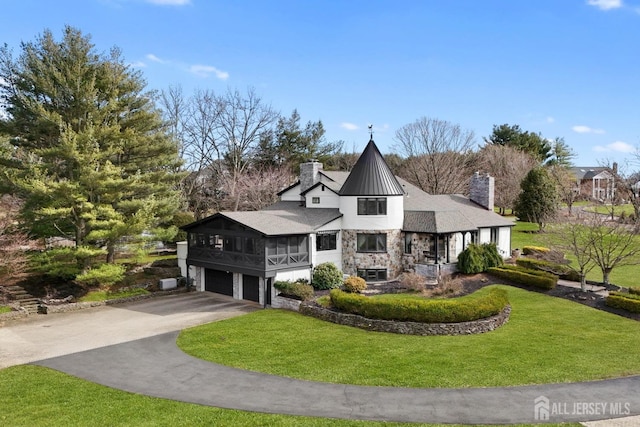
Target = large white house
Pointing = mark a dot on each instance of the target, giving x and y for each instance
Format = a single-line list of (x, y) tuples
[(368, 222)]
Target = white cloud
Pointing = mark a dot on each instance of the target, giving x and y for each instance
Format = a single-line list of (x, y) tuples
[(138, 64), (152, 57), (550, 119), (170, 2), (617, 146), (349, 126), (605, 4), (207, 70), (587, 129)]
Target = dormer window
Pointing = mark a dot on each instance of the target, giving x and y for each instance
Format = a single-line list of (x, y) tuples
[(372, 206)]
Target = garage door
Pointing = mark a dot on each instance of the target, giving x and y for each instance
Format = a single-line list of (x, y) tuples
[(218, 281), (251, 288)]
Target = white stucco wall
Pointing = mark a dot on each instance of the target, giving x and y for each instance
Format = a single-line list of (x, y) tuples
[(328, 199), (394, 218), (484, 235), (293, 275), (504, 241), (182, 251), (291, 195)]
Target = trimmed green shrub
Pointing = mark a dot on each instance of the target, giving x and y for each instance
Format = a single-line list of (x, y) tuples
[(471, 307), (634, 291), (355, 284), (296, 290), (531, 250), (629, 302), (471, 261), (478, 258), (105, 274), (562, 270), (326, 276), (535, 278)]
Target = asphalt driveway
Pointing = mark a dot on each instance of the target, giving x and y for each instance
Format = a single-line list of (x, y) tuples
[(46, 336)]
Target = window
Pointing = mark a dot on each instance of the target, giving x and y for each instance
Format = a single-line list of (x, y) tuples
[(407, 243), (372, 242), (373, 274), (315, 200), (494, 235), (369, 206), (326, 242)]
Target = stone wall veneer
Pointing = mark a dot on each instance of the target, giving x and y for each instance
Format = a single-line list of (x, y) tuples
[(410, 328), (391, 259)]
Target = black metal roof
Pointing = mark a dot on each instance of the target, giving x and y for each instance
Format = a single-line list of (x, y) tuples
[(371, 176)]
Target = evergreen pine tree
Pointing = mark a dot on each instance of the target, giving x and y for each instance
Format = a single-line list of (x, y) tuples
[(90, 155)]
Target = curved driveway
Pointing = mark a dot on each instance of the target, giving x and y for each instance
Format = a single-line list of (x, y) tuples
[(155, 366), (43, 336)]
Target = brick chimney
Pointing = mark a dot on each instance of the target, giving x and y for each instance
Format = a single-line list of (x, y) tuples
[(481, 190), (309, 174)]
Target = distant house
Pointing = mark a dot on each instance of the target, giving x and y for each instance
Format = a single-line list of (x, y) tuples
[(596, 183), (368, 222)]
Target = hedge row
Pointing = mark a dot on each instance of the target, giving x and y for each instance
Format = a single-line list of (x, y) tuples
[(296, 290), (629, 302), (535, 278), (563, 270), (455, 310), (634, 291), (530, 250)]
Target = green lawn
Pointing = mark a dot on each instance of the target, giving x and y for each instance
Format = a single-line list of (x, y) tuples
[(546, 340), (525, 234), (617, 210), (36, 396), (4, 309)]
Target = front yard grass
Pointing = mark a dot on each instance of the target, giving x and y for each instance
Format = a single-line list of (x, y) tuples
[(547, 340), (525, 234), (37, 396)]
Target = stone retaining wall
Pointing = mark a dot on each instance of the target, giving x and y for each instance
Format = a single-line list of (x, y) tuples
[(285, 303), (74, 306), (410, 328)]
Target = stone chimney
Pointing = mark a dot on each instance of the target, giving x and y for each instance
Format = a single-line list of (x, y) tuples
[(481, 190), (309, 174)]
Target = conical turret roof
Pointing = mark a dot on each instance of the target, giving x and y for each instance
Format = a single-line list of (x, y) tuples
[(371, 176)]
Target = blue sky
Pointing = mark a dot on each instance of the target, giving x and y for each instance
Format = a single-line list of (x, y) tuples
[(568, 68)]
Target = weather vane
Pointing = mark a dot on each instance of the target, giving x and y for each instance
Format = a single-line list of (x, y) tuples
[(371, 131)]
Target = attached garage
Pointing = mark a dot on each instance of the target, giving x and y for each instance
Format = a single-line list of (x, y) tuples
[(218, 281), (251, 288)]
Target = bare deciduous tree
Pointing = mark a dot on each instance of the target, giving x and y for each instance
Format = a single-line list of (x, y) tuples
[(577, 239), (566, 185), (219, 134), (438, 155), (614, 245), (258, 187), (508, 165), (13, 242)]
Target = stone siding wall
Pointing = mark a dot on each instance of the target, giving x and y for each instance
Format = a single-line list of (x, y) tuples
[(410, 328), (391, 259), (481, 190)]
